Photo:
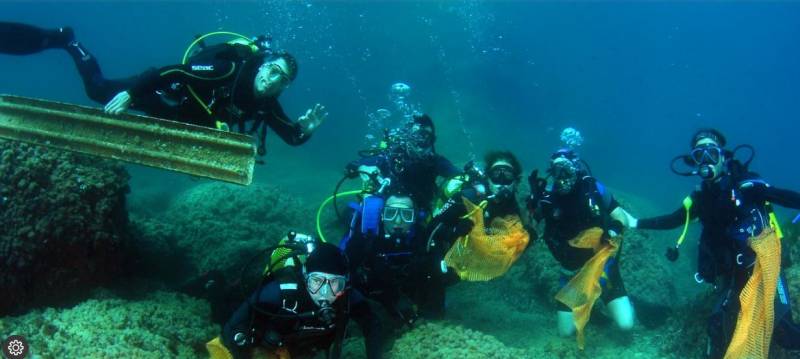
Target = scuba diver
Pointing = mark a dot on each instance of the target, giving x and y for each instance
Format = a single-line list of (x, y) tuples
[(498, 185), (299, 309), (407, 163), (739, 247), (220, 86), (383, 247), (492, 195), (583, 224)]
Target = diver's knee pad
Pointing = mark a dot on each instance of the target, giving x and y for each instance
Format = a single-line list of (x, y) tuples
[(622, 312), (566, 324)]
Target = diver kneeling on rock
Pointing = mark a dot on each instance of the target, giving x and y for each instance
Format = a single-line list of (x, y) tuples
[(300, 308), (583, 230)]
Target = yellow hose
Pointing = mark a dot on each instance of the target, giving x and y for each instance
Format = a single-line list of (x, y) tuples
[(324, 203)]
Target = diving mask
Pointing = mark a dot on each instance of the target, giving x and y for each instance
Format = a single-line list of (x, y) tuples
[(502, 175), (565, 174), (391, 213), (335, 283), (706, 154)]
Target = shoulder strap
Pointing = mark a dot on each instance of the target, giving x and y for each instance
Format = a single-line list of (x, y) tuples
[(604, 194)]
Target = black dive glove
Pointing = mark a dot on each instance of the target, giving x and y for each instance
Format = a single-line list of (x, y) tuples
[(672, 254), (463, 227), (351, 170), (452, 211)]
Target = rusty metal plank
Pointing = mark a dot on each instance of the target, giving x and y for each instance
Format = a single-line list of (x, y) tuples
[(149, 141)]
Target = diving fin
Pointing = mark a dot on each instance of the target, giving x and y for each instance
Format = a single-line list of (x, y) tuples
[(23, 39)]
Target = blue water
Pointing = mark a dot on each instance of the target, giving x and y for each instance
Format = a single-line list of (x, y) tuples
[(636, 78)]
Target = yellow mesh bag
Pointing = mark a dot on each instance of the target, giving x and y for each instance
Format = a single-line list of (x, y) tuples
[(487, 252), (217, 350), (584, 288), (753, 332)]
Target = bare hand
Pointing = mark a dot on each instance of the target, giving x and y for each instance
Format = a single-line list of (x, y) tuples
[(312, 119), (119, 103)]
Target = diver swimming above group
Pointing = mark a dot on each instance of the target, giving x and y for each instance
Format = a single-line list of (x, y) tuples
[(421, 224)]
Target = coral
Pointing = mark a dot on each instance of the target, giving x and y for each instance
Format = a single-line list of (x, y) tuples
[(161, 325), (439, 340), (217, 226), (64, 225), (793, 279)]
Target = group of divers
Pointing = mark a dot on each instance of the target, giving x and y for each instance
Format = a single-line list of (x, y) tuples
[(421, 224)]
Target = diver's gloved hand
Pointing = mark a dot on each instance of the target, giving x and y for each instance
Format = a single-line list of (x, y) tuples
[(312, 119), (351, 170), (119, 104), (463, 227), (272, 339), (451, 212), (672, 254)]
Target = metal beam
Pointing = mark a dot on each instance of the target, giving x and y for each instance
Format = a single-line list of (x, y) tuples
[(149, 141)]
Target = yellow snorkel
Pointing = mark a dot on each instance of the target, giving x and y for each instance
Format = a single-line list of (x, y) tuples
[(672, 253)]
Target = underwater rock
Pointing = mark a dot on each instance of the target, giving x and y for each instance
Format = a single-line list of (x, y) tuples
[(161, 325), (793, 279), (217, 226), (438, 340), (63, 225)]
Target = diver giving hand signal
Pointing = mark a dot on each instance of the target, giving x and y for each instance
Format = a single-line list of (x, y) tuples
[(312, 119)]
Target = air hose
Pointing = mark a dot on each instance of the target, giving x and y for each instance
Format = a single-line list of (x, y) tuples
[(322, 206)]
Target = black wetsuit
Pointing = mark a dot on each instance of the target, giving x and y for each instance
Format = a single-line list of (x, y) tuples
[(732, 210), (417, 177), (222, 76), (588, 205), (387, 270), (290, 324)]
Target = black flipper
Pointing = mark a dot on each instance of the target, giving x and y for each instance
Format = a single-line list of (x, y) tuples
[(22, 39)]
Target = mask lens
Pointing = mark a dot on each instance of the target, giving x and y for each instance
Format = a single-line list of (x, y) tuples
[(563, 172), (501, 176), (706, 155), (276, 73), (337, 284), (315, 283), (407, 215), (390, 213)]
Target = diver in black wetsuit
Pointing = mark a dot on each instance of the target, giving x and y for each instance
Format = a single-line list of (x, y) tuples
[(577, 202), (387, 265), (235, 83), (300, 312), (497, 185), (733, 205), (409, 163)]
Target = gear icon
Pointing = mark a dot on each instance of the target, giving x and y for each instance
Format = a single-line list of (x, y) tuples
[(16, 348)]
